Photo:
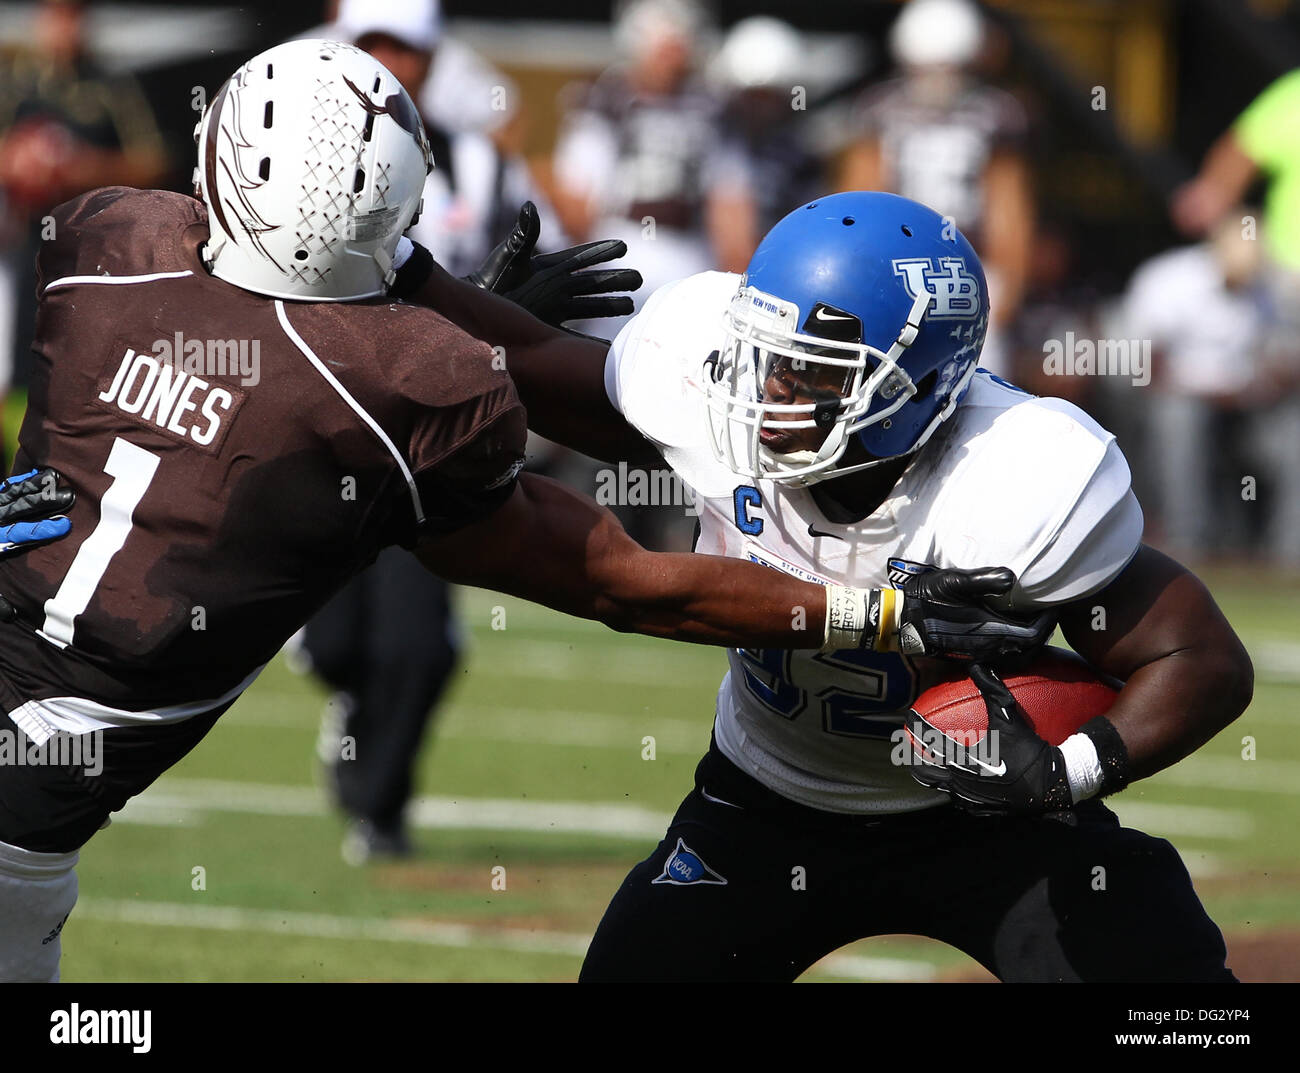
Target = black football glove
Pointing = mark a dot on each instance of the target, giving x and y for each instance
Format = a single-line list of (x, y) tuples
[(1012, 771), (31, 510), (944, 614), (554, 287)]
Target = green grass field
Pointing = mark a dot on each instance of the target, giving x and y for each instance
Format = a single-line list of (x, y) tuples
[(537, 769)]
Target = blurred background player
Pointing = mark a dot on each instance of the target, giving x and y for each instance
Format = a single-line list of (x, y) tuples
[(630, 155), (387, 642), (941, 136), (474, 192), (66, 126), (763, 166)]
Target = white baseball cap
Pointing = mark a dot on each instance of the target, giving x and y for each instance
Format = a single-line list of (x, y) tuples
[(416, 23), (937, 32)]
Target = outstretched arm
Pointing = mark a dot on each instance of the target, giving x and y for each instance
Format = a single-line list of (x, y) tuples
[(550, 545), (554, 547), (560, 376)]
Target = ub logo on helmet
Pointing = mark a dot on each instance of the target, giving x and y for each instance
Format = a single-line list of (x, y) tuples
[(312, 163), (839, 348), (955, 291)]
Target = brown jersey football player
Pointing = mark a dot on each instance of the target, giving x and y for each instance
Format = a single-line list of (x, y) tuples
[(248, 413)]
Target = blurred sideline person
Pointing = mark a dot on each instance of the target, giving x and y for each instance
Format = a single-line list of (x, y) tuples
[(372, 421), (939, 136), (630, 162), (630, 157), (1195, 305), (65, 126), (463, 90), (475, 190), (387, 643), (762, 167), (1265, 141)]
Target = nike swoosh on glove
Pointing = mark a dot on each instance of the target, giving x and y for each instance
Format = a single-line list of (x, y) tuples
[(1013, 771)]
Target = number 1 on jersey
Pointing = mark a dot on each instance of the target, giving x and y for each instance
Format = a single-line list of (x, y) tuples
[(132, 469)]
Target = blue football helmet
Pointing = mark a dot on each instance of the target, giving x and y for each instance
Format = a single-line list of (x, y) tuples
[(873, 308)]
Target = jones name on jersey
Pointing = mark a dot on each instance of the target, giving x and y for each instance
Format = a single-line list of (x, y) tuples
[(1012, 480)]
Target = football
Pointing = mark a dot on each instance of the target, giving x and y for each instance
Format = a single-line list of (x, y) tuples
[(1058, 691)]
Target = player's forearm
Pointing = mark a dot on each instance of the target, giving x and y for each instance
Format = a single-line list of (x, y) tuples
[(549, 545), (1186, 673), (560, 377), (1171, 707), (709, 600), (495, 320), (1228, 170)]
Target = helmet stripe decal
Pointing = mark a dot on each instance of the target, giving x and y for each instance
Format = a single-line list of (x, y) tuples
[(210, 157)]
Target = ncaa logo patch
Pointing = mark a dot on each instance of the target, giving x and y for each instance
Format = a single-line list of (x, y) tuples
[(684, 868), (901, 569), (955, 291)]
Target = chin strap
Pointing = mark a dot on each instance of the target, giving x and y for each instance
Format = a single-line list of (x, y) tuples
[(385, 264)]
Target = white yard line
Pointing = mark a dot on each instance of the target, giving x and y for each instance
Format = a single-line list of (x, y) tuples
[(541, 726), (182, 800), (1192, 821), (329, 926), (173, 797), (1232, 773), (420, 932)]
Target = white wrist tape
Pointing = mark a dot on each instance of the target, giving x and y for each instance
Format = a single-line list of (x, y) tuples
[(1082, 766), (861, 618)]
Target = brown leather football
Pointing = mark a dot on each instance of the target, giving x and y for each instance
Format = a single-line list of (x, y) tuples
[(1058, 691)]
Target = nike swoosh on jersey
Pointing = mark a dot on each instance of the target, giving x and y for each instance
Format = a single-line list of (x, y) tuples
[(814, 532)]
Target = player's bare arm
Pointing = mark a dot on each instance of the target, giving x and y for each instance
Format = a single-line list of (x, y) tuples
[(555, 547), (1187, 674), (516, 301), (552, 546)]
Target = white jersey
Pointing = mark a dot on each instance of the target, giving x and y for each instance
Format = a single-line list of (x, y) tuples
[(1009, 480)]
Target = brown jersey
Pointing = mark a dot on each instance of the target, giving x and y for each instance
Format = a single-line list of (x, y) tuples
[(235, 459)]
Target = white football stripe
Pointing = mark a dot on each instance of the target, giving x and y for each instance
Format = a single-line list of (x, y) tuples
[(421, 932), (1195, 821), (610, 819), (329, 926)]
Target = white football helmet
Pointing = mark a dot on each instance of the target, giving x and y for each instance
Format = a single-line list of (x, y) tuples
[(312, 162)]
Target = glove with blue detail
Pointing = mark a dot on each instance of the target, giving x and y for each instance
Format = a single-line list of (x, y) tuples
[(32, 507)]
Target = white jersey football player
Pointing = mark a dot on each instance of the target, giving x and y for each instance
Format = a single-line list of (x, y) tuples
[(827, 412), (1062, 517)]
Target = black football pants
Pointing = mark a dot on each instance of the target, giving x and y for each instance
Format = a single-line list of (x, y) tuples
[(747, 885), (386, 640)]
